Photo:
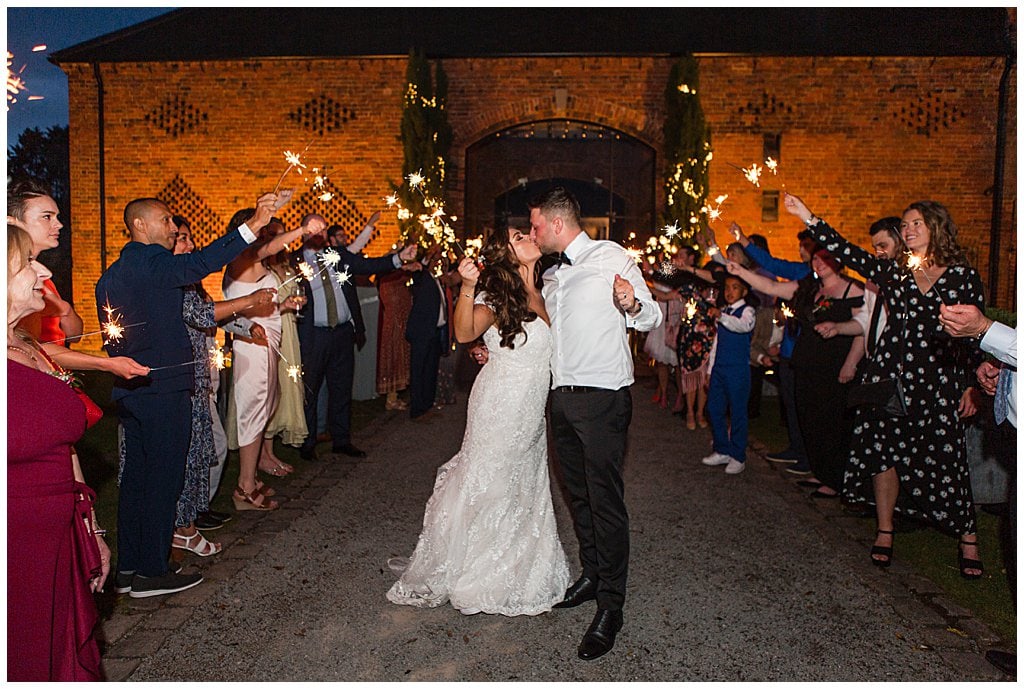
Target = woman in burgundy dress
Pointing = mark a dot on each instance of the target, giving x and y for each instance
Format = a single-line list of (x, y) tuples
[(392, 347), (51, 574)]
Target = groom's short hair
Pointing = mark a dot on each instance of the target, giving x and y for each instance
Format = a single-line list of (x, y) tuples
[(557, 201)]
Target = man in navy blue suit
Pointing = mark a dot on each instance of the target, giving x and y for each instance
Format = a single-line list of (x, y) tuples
[(427, 332), (143, 289), (327, 329)]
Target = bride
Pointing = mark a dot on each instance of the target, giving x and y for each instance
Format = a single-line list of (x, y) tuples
[(489, 541)]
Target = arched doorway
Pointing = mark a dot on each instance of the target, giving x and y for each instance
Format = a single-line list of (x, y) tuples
[(609, 172)]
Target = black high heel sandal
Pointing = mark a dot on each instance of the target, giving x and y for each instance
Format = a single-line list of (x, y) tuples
[(967, 563), (885, 551)]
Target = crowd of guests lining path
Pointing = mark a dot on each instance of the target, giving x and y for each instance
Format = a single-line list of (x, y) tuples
[(915, 329)]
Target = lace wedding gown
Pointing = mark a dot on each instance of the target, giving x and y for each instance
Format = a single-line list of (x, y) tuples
[(489, 541)]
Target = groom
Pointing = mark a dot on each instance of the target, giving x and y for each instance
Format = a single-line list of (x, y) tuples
[(591, 406)]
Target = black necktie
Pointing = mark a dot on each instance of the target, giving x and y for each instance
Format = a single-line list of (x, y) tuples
[(563, 259)]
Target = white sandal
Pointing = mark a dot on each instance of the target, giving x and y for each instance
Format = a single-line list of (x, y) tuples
[(203, 548)]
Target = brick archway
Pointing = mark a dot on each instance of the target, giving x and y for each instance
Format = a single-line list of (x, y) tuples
[(611, 172)]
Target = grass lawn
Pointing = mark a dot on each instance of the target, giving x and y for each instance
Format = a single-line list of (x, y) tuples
[(929, 552)]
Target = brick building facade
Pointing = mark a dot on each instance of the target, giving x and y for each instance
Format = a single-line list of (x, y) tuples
[(858, 137)]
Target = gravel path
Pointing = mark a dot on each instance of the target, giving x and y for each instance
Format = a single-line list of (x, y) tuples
[(732, 578)]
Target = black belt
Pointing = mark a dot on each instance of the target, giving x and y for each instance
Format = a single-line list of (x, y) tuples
[(579, 388), (335, 327)]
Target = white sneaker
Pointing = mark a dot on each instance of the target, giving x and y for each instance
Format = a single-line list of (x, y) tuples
[(716, 459), (735, 467)]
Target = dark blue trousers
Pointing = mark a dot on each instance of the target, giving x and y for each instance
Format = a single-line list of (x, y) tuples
[(157, 432), (589, 431), (424, 359), (728, 394), (327, 353)]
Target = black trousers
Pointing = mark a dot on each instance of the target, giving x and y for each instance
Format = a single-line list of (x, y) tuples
[(589, 432), (157, 432), (327, 353), (424, 359)]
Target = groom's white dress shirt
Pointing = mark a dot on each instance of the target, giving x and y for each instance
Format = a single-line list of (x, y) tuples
[(590, 346)]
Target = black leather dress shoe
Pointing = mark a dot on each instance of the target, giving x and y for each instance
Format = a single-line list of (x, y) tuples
[(600, 636), (583, 590), (222, 517), (205, 522), (349, 450)]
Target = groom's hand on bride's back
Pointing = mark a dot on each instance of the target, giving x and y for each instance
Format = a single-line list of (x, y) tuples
[(479, 353)]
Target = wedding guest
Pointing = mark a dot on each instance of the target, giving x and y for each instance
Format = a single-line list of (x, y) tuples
[(289, 419), (590, 403), (254, 363), (327, 333), (392, 347), (923, 453), (795, 453), (660, 343), (201, 315), (427, 332), (55, 561), (1000, 381), (822, 369), (145, 285), (31, 207), (729, 388)]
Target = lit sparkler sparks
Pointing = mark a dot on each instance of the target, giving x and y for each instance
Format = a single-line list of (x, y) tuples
[(112, 328), (329, 258), (672, 230), (691, 309), (295, 372), (772, 165), (416, 179), (343, 277), (786, 311), (218, 359), (635, 254), (15, 84), (305, 271), (294, 160), (753, 174), (914, 262)]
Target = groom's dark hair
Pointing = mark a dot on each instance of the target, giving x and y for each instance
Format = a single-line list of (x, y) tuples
[(557, 201)]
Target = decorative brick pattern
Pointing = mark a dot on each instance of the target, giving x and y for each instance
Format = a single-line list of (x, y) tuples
[(929, 115), (321, 114), (205, 223), (176, 116)]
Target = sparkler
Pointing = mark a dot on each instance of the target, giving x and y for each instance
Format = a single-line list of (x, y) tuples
[(786, 311), (329, 258), (343, 277), (917, 263), (218, 358), (673, 230), (691, 309), (15, 84), (294, 372), (294, 160)]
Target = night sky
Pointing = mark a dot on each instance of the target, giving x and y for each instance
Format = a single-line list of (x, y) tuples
[(58, 28)]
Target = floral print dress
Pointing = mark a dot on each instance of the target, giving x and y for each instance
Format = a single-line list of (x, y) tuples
[(928, 446)]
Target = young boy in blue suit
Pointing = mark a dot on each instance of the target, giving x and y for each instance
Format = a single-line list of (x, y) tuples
[(729, 389)]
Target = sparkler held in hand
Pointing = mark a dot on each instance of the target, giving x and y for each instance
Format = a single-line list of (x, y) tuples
[(294, 160)]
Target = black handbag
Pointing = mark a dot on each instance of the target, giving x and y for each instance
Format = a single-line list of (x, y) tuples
[(882, 398)]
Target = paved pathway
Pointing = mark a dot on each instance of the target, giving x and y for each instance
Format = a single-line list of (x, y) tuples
[(739, 578)]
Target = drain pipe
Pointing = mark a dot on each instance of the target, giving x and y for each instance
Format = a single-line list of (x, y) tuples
[(102, 164), (998, 177)]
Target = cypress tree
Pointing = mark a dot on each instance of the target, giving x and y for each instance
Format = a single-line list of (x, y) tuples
[(426, 141), (688, 151)]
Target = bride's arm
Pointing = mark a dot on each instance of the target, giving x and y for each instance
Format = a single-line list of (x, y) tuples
[(471, 319)]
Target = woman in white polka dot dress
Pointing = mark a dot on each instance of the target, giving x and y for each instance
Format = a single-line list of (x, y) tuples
[(921, 456)]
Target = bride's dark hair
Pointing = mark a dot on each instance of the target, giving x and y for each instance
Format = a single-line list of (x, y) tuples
[(506, 294)]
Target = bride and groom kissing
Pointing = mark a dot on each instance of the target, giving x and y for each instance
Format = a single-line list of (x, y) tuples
[(489, 541)]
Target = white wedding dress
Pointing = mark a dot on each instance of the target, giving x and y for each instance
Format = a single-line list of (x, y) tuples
[(489, 541)]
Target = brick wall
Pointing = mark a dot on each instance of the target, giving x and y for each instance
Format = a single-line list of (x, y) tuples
[(857, 138)]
